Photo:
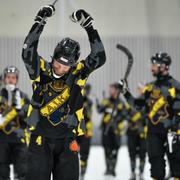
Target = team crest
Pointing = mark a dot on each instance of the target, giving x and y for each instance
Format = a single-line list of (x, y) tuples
[(56, 106), (158, 108), (156, 93), (58, 86), (11, 127), (58, 115)]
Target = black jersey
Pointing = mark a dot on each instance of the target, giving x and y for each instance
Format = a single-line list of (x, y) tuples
[(106, 107), (87, 111), (14, 128), (53, 97), (161, 100), (136, 122)]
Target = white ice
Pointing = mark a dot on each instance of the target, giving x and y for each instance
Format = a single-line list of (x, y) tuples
[(96, 165)]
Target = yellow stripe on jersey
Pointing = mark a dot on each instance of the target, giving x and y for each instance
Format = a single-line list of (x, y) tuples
[(42, 64), (136, 117), (148, 88), (54, 104), (172, 92)]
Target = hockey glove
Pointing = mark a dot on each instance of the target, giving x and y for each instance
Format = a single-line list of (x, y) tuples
[(44, 12), (123, 86), (82, 17)]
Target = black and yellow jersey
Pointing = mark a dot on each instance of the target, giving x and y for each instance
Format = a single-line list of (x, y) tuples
[(87, 111), (14, 128), (136, 122), (58, 102), (161, 100), (106, 107)]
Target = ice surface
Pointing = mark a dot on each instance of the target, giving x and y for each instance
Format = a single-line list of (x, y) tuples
[(96, 165)]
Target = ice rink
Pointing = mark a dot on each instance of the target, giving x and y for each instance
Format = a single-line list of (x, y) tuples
[(96, 165)]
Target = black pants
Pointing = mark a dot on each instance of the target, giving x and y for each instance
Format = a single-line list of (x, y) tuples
[(46, 156), (137, 148), (156, 151), (15, 153), (111, 143), (85, 143)]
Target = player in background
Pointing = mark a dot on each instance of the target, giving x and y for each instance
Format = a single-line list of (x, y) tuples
[(13, 128), (161, 100), (85, 140), (136, 134), (111, 140)]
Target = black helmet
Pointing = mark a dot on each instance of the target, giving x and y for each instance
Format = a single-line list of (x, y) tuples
[(12, 70), (161, 58), (67, 52), (115, 85)]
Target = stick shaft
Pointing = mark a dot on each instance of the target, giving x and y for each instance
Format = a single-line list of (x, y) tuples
[(128, 70), (130, 59), (54, 2)]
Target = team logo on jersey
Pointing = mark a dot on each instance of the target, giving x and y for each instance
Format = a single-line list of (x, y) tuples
[(11, 122), (158, 107), (12, 126), (56, 109), (58, 86), (156, 93)]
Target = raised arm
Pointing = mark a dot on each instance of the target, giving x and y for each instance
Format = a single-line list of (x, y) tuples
[(97, 56), (29, 54), (137, 103)]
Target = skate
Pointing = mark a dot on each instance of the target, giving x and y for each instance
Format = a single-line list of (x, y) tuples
[(82, 177), (141, 176), (109, 174), (109, 177), (133, 176)]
